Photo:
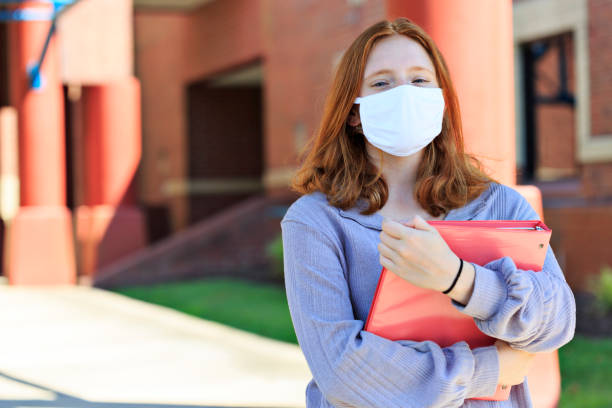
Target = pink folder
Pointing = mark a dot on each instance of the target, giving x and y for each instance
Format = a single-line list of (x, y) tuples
[(402, 311)]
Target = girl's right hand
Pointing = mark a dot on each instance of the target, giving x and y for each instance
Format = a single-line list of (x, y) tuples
[(513, 364)]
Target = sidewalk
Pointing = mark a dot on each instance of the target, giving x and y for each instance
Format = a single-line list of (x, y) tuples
[(84, 347)]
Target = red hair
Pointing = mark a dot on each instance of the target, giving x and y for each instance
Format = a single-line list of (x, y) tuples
[(337, 162)]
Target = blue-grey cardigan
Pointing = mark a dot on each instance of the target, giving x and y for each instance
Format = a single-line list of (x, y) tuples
[(331, 271)]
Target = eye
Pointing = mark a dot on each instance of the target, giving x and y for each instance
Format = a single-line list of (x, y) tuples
[(379, 84), (423, 81)]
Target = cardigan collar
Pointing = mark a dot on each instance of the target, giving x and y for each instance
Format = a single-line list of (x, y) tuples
[(374, 221)]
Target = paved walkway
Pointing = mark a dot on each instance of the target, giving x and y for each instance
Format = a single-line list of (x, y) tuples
[(83, 347)]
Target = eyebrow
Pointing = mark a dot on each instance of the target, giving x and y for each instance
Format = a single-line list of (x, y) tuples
[(387, 71)]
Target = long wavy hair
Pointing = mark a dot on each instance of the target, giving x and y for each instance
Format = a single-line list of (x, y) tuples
[(337, 162)]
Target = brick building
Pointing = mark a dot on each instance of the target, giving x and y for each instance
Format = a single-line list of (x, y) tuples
[(563, 101), (159, 140), (230, 90), (563, 54)]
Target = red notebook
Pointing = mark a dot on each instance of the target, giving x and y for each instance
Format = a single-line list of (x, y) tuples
[(402, 311)]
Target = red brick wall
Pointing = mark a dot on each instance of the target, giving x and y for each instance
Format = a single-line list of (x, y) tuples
[(220, 36), (600, 53), (173, 49), (597, 177), (302, 39), (581, 241), (159, 54), (597, 180), (297, 44)]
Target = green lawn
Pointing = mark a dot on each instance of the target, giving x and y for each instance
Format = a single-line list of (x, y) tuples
[(246, 305), (586, 364), (586, 373)]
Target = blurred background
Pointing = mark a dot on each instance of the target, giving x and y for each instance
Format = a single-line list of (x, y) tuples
[(146, 147)]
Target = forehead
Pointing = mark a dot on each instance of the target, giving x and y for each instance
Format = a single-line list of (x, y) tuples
[(397, 52)]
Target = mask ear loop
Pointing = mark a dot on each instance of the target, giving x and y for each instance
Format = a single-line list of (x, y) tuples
[(358, 128)]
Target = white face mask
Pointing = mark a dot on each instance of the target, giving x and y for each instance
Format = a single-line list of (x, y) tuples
[(402, 120)]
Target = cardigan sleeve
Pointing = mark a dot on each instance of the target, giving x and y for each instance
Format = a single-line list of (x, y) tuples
[(355, 368), (532, 311)]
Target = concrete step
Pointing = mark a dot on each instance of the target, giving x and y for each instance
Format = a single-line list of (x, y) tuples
[(229, 243)]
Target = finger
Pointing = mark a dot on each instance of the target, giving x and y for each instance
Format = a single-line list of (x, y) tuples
[(394, 228), (420, 224), (387, 263), (389, 253), (410, 223), (391, 242), (402, 251)]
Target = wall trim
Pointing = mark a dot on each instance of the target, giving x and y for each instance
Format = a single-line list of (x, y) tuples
[(279, 177), (208, 186)]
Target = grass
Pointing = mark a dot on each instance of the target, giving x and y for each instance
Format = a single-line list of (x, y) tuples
[(586, 364), (254, 307), (586, 371)]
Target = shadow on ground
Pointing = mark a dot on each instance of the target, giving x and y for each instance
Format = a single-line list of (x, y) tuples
[(67, 401)]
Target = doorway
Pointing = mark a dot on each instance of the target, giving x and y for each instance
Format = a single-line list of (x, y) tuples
[(225, 141)]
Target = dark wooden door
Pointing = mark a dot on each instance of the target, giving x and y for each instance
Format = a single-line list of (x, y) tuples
[(225, 147)]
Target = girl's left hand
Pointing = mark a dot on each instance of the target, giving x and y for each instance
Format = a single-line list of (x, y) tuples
[(416, 252)]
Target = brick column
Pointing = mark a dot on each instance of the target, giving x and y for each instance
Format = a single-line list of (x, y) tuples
[(109, 224), (475, 38), (40, 241)]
